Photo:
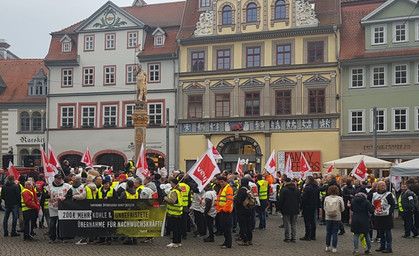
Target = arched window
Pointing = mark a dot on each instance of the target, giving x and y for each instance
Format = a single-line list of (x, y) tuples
[(252, 12), (37, 157), (280, 10), (36, 121), (24, 122), (23, 153), (227, 15)]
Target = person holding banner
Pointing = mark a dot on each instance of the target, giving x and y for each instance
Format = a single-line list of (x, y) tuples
[(57, 191), (174, 213), (224, 210)]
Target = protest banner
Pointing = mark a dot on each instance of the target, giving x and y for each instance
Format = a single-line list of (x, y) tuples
[(112, 217)]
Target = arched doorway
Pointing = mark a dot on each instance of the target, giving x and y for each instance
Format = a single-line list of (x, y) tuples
[(231, 148), (112, 159), (74, 159), (155, 159)]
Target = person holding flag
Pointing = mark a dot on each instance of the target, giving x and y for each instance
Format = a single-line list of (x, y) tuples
[(87, 159)]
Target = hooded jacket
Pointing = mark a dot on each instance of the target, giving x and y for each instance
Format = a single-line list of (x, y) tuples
[(10, 194), (289, 200)]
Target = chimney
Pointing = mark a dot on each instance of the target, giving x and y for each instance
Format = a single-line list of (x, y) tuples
[(3, 48)]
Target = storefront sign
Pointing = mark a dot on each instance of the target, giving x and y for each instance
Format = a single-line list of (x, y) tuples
[(385, 147), (111, 218), (32, 139), (313, 158)]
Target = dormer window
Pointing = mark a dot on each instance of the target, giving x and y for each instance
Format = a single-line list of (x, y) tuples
[(159, 37), (65, 44), (158, 40), (38, 85), (205, 3)]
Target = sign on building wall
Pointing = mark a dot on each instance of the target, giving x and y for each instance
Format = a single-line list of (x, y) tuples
[(313, 158)]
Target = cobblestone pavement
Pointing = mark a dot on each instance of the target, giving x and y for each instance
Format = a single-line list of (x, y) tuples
[(267, 242)]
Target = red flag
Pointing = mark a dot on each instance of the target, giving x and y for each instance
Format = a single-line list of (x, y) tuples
[(49, 171), (304, 165), (12, 170), (86, 158), (330, 168), (288, 168), (270, 165), (204, 170), (360, 170), (141, 166), (214, 151), (239, 168), (110, 171), (52, 158)]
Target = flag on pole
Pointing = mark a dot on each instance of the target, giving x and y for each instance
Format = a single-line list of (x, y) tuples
[(110, 170), (270, 165), (49, 171), (304, 165), (396, 180), (52, 158), (239, 168), (330, 168), (86, 158), (204, 170), (12, 170), (141, 166), (214, 151), (288, 168), (360, 170)]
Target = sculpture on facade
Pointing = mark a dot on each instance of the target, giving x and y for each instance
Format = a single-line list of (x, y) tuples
[(204, 25), (305, 14)]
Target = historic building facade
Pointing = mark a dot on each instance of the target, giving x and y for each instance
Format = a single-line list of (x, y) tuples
[(380, 69), (257, 76), (92, 75)]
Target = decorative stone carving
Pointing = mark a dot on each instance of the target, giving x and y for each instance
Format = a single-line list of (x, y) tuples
[(204, 25), (305, 14)]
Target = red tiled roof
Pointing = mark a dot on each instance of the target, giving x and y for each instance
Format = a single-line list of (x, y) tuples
[(170, 45), (16, 74), (327, 12), (352, 34), (153, 15)]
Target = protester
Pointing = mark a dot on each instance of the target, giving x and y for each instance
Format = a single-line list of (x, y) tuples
[(210, 211), (244, 215), (10, 193), (224, 209), (361, 208), (30, 209), (289, 202), (57, 191), (384, 207), (263, 188), (174, 213), (333, 207), (407, 204), (309, 205)]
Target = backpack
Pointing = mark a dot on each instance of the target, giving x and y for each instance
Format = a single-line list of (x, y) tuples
[(250, 201), (381, 205), (332, 206)]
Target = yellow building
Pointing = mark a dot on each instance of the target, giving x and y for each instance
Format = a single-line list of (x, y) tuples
[(257, 76)]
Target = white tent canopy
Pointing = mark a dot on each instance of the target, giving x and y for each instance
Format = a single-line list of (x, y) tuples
[(408, 168), (351, 161)]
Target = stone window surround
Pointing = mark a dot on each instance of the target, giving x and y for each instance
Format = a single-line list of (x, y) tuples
[(282, 42), (351, 77), (350, 120), (222, 47), (220, 17), (393, 119), (372, 76), (262, 53), (200, 49), (286, 19), (244, 14), (316, 39)]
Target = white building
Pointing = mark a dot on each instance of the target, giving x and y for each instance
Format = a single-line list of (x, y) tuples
[(93, 88)]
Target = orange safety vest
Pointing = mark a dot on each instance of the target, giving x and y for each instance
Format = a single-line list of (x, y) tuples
[(225, 199)]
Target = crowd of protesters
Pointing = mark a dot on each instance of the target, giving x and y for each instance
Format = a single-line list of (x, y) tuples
[(335, 201)]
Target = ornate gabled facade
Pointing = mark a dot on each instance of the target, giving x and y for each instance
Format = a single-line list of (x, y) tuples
[(23, 89), (379, 59), (93, 85), (257, 76)]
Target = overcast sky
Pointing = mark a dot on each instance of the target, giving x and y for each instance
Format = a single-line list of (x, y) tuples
[(26, 24)]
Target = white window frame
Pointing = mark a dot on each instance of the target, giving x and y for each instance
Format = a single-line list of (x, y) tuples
[(417, 72), (66, 47), (112, 118), (152, 73), (67, 77), (67, 117), (152, 115), (92, 74), (384, 120), (132, 39), (372, 75), (158, 40), (110, 41), (406, 24), (393, 119), (394, 73), (203, 3), (88, 117), (417, 118), (89, 45), (417, 30), (351, 78), (128, 117), (373, 34), (130, 78), (350, 120), (109, 73)]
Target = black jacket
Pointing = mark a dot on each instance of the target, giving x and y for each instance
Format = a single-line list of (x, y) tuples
[(362, 209), (11, 194), (310, 197), (289, 200)]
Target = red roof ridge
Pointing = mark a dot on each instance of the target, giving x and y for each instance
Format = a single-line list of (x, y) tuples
[(74, 25)]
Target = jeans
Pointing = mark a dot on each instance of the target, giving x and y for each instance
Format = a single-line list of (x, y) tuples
[(261, 210), (386, 239), (332, 227), (54, 228), (367, 239), (290, 222), (15, 212)]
